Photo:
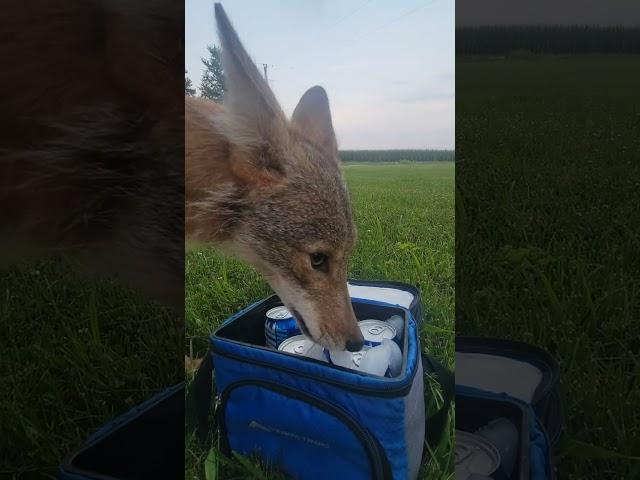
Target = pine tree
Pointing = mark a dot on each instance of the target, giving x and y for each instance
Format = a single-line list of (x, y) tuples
[(212, 83), (188, 86)]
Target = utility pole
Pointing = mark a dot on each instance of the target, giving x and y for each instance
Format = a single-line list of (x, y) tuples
[(265, 72)]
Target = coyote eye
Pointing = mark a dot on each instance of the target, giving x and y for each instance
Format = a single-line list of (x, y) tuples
[(319, 261)]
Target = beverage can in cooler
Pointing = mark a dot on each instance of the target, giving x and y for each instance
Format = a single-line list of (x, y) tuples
[(375, 331), (278, 326), (296, 344)]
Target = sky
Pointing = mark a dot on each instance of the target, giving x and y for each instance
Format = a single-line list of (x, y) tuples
[(388, 66)]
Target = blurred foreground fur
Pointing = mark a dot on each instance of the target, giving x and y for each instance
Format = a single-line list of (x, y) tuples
[(91, 137)]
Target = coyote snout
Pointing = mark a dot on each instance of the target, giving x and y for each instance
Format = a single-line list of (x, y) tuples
[(271, 191), (313, 286)]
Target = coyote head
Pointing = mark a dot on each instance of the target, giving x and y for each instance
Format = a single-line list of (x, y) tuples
[(287, 209)]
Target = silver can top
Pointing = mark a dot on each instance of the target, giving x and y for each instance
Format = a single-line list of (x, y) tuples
[(279, 313), (376, 330), (295, 344), (474, 455)]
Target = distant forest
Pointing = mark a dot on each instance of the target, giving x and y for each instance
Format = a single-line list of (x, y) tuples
[(397, 155), (503, 40)]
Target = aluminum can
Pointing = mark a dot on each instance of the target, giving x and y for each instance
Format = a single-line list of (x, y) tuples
[(349, 360), (278, 326), (475, 455), (295, 344), (375, 331)]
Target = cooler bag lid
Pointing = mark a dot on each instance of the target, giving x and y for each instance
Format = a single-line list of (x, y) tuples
[(392, 293)]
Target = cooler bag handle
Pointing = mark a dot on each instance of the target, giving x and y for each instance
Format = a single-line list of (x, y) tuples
[(436, 423), (198, 401)]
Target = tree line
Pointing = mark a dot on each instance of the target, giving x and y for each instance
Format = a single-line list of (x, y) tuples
[(549, 39), (397, 155)]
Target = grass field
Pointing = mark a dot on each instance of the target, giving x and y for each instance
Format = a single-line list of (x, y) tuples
[(548, 236), (76, 351), (405, 219)]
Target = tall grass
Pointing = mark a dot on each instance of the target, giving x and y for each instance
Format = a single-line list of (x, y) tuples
[(547, 236), (76, 352)]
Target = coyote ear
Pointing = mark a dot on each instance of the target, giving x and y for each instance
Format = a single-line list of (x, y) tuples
[(312, 117), (252, 119)]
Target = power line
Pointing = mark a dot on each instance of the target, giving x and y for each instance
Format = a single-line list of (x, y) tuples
[(397, 19), (349, 15), (324, 31)]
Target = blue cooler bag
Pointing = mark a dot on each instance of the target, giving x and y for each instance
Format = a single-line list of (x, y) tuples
[(517, 384), (316, 421)]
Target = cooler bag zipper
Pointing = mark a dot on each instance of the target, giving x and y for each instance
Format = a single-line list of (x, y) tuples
[(377, 459)]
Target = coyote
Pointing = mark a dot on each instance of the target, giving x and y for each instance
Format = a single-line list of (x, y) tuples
[(271, 192)]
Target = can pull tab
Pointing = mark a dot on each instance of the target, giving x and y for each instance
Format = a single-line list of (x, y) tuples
[(357, 358), (376, 330)]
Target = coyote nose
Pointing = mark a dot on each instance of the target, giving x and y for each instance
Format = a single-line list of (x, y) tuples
[(354, 346)]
